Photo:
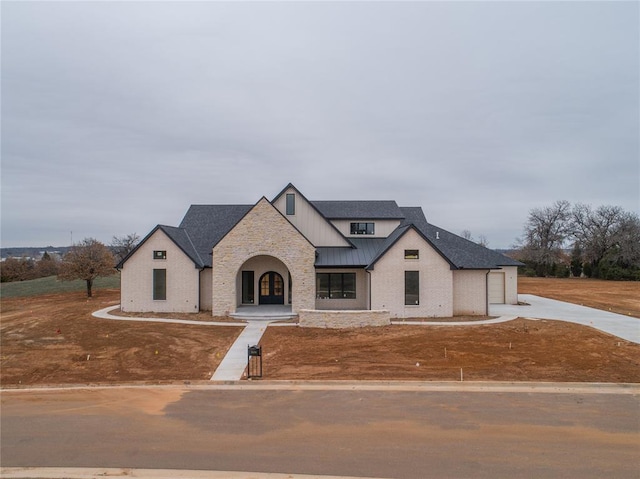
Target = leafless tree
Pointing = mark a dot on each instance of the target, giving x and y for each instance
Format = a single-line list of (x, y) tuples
[(545, 234), (123, 245), (607, 232), (87, 260)]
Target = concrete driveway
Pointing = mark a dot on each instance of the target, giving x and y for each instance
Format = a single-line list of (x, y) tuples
[(625, 327)]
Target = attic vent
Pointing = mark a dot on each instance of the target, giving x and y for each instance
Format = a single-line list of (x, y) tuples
[(437, 234)]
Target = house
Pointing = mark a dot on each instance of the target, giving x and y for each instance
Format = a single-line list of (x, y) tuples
[(313, 256)]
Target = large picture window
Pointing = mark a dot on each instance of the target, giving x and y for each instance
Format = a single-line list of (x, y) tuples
[(411, 288), (159, 284), (335, 285), (363, 228)]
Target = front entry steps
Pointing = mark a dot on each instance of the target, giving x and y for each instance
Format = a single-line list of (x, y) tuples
[(264, 312)]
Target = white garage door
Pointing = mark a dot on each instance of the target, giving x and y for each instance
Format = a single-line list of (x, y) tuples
[(496, 288)]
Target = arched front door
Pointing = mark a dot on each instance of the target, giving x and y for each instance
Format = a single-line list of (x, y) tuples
[(271, 288)]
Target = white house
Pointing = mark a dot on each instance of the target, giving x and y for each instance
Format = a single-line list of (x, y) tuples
[(315, 256)]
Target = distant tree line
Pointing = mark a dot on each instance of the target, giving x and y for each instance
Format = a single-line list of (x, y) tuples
[(564, 240), (85, 260)]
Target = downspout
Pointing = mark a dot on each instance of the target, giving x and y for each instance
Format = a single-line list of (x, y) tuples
[(369, 276), (486, 294)]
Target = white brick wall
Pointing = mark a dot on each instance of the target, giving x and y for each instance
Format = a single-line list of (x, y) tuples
[(436, 280), (137, 279)]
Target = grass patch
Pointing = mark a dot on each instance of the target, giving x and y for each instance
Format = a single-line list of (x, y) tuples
[(51, 285)]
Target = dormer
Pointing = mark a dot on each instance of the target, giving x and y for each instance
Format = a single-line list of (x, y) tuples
[(362, 219)]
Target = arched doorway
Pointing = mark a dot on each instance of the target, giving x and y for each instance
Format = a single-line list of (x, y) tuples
[(271, 288)]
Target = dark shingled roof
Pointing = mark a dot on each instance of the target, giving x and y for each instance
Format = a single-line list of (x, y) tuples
[(181, 238), (208, 224), (461, 253), (359, 210), (203, 226)]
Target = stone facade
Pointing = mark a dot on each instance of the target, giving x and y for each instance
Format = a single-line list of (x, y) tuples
[(342, 319), (264, 231)]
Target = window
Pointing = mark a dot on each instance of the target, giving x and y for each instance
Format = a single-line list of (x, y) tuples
[(362, 228), (159, 255), (411, 254), (159, 284), (247, 287), (411, 288), (335, 285), (291, 204)]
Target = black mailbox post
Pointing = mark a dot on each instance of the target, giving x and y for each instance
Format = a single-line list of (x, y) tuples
[(254, 362)]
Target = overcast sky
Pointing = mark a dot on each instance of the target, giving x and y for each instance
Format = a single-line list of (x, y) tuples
[(117, 116)]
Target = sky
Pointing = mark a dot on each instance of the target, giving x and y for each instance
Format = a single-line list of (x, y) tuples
[(116, 116)]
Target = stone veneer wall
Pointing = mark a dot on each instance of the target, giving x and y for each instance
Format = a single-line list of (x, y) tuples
[(263, 231), (313, 318)]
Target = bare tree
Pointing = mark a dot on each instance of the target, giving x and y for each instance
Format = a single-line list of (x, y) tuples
[(466, 234), (123, 245), (87, 260), (482, 239), (607, 232), (545, 234)]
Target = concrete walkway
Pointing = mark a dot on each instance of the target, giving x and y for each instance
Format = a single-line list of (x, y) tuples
[(501, 319), (235, 361), (625, 327), (105, 313)]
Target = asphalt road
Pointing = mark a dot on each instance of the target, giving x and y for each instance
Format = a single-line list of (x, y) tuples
[(391, 433)]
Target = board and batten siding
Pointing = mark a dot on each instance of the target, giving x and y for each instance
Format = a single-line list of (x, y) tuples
[(382, 229), (182, 279), (435, 277), (309, 222)]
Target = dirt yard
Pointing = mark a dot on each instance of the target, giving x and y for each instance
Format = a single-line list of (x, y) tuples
[(521, 350), (53, 339)]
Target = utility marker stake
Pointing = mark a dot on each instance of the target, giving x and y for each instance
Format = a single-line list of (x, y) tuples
[(461, 377), (445, 353)]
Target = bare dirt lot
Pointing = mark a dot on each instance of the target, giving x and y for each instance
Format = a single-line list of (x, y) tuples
[(53, 339)]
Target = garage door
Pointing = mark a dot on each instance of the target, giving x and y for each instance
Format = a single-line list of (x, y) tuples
[(496, 288)]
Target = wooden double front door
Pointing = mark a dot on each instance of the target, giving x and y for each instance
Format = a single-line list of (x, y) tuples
[(271, 288)]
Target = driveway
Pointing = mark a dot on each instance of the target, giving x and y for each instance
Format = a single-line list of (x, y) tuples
[(625, 327)]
